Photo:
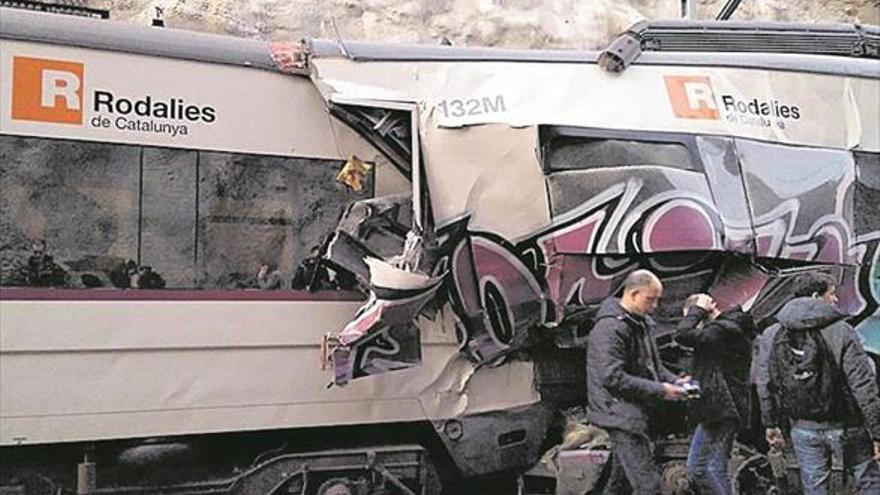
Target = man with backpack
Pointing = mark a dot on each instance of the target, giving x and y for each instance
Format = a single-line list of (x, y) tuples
[(626, 381), (814, 376)]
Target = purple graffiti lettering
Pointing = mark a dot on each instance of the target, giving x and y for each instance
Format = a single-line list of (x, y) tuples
[(679, 226)]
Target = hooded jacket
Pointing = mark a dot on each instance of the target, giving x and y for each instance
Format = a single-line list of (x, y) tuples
[(861, 395), (722, 356), (624, 373)]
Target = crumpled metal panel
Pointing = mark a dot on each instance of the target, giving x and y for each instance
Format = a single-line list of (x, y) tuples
[(383, 336), (698, 229), (529, 226), (497, 295)]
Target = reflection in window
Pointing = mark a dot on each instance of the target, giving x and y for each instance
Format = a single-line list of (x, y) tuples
[(260, 217), (82, 214), (75, 202), (168, 219)]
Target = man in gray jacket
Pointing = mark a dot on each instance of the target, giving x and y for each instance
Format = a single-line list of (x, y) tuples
[(846, 423), (625, 379)]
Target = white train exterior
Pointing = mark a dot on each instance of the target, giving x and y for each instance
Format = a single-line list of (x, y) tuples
[(86, 369)]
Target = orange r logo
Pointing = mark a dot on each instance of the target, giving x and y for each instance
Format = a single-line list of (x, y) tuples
[(47, 90), (691, 97)]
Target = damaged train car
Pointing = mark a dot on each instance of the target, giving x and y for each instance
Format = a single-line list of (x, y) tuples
[(443, 221), (541, 180)]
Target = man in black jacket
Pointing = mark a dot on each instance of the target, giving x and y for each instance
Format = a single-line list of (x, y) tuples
[(722, 344), (852, 420), (625, 379)]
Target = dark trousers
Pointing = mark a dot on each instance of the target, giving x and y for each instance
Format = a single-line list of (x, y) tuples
[(632, 465)]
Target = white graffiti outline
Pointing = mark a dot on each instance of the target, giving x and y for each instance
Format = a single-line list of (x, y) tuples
[(633, 187), (777, 224), (369, 350)]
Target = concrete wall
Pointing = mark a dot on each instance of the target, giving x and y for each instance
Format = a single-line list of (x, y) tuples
[(584, 24)]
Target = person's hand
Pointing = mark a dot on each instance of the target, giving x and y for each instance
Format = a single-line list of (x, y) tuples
[(681, 380), (775, 438), (877, 450), (673, 392), (706, 302)]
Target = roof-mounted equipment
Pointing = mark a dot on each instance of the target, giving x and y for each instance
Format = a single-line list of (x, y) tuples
[(624, 50), (844, 40)]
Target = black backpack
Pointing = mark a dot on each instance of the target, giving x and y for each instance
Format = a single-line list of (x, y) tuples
[(804, 376)]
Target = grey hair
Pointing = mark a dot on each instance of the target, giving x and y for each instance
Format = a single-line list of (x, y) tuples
[(639, 279)]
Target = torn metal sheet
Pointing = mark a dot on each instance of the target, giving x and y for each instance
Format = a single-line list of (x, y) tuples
[(345, 252), (485, 172), (607, 221), (461, 388), (446, 397), (385, 348), (383, 335), (380, 224)]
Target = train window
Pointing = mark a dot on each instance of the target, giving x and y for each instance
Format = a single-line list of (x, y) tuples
[(168, 214), (69, 211), (257, 210), (81, 214), (577, 153)]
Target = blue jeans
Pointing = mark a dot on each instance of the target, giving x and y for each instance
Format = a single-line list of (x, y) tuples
[(709, 457), (814, 449)]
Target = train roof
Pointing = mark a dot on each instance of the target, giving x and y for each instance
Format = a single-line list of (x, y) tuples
[(99, 34)]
